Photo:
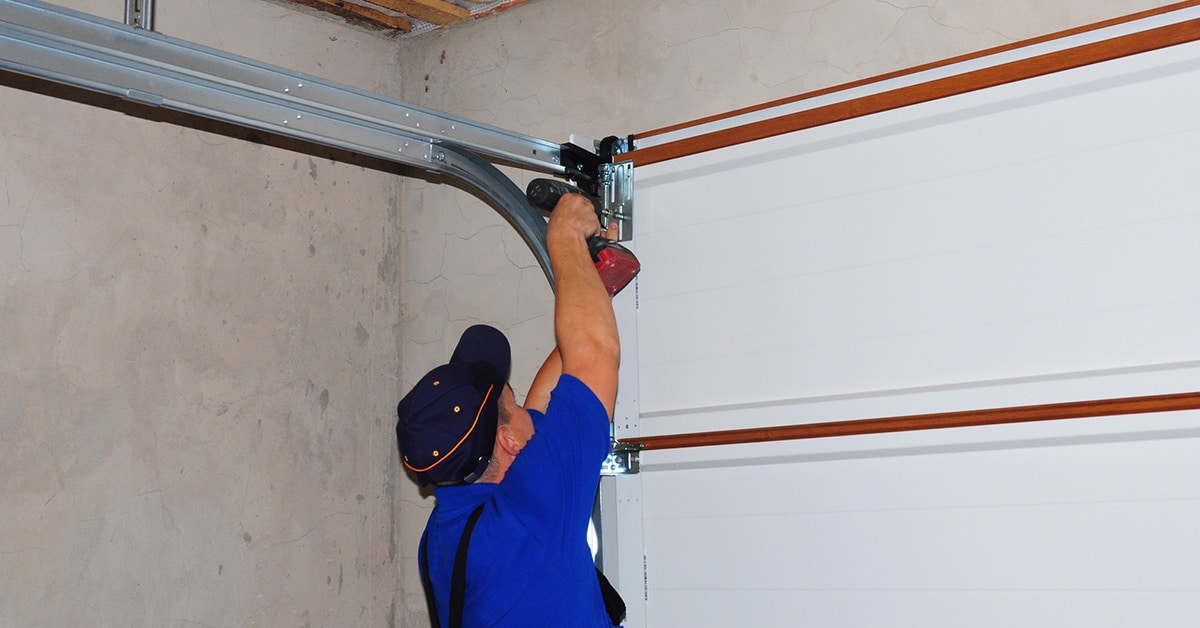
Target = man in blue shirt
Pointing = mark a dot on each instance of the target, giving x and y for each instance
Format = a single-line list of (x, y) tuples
[(515, 484)]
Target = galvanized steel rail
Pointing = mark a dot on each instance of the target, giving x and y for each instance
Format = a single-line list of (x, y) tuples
[(64, 46)]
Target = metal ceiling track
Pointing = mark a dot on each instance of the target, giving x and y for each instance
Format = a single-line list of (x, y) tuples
[(56, 44)]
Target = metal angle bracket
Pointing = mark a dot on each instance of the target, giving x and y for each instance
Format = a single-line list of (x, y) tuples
[(600, 172), (616, 194), (616, 184), (140, 14), (623, 459)]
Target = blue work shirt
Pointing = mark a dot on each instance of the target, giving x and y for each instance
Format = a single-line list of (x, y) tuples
[(529, 563)]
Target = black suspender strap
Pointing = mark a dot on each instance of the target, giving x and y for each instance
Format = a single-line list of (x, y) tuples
[(458, 588), (458, 583), (433, 614), (613, 604)]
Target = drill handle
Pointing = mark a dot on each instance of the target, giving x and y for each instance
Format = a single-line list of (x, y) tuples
[(543, 194), (616, 264)]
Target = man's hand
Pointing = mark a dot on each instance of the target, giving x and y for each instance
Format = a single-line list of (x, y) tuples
[(573, 215)]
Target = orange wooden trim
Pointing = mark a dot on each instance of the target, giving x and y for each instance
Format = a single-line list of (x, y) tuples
[(916, 422), (1087, 54)]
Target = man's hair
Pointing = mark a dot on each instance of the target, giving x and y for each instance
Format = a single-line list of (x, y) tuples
[(504, 415)]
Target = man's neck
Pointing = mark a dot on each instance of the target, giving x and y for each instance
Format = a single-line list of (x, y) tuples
[(496, 470)]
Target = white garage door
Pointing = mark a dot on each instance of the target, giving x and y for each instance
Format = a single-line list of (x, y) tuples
[(1032, 243)]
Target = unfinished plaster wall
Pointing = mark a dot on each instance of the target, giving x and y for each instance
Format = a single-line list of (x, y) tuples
[(198, 355), (555, 67)]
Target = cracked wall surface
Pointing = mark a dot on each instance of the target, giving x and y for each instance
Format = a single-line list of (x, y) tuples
[(199, 355), (620, 67)]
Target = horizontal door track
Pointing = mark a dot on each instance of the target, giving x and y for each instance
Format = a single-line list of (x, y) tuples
[(56, 44)]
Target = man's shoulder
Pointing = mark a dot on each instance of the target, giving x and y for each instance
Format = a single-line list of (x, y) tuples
[(572, 395), (454, 507)]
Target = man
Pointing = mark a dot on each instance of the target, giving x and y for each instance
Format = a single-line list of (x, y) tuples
[(522, 479)]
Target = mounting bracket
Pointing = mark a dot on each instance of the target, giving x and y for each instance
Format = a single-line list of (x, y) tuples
[(598, 173), (616, 194), (623, 459), (140, 14)]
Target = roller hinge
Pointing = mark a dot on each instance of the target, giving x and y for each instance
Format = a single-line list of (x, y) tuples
[(623, 459)]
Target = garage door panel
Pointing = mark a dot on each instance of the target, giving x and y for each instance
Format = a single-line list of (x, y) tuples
[(929, 609), (1059, 520), (840, 282), (1029, 244)]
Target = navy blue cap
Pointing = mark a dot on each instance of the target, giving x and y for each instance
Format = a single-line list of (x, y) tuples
[(447, 422)]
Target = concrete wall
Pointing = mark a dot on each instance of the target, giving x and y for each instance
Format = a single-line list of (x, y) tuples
[(202, 336), (198, 355), (555, 67)]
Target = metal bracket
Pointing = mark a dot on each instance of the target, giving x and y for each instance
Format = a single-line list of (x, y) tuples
[(616, 184), (582, 166), (140, 14), (616, 193), (599, 173), (623, 459)]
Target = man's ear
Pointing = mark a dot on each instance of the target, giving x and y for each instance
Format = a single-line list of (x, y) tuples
[(507, 441)]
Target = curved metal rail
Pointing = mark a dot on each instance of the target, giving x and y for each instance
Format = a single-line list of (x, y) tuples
[(56, 44)]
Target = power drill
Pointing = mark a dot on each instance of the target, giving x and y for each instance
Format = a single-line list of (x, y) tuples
[(616, 264)]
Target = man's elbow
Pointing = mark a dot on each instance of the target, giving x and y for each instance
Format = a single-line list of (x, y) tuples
[(608, 349), (598, 352)]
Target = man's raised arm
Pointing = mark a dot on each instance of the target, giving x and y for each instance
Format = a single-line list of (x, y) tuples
[(584, 323)]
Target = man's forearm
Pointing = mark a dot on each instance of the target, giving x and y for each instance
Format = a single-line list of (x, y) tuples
[(584, 323), (583, 310)]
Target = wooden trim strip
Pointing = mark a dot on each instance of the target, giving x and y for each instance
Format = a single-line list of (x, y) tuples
[(917, 422), (1087, 54)]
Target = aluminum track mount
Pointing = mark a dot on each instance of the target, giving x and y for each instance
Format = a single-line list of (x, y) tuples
[(64, 46)]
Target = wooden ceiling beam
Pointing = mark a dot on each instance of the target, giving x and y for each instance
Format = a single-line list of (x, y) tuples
[(432, 11), (352, 11)]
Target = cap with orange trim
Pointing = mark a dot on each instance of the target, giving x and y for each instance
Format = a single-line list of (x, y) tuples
[(447, 422)]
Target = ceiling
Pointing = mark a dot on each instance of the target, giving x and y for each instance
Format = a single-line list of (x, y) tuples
[(404, 17)]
